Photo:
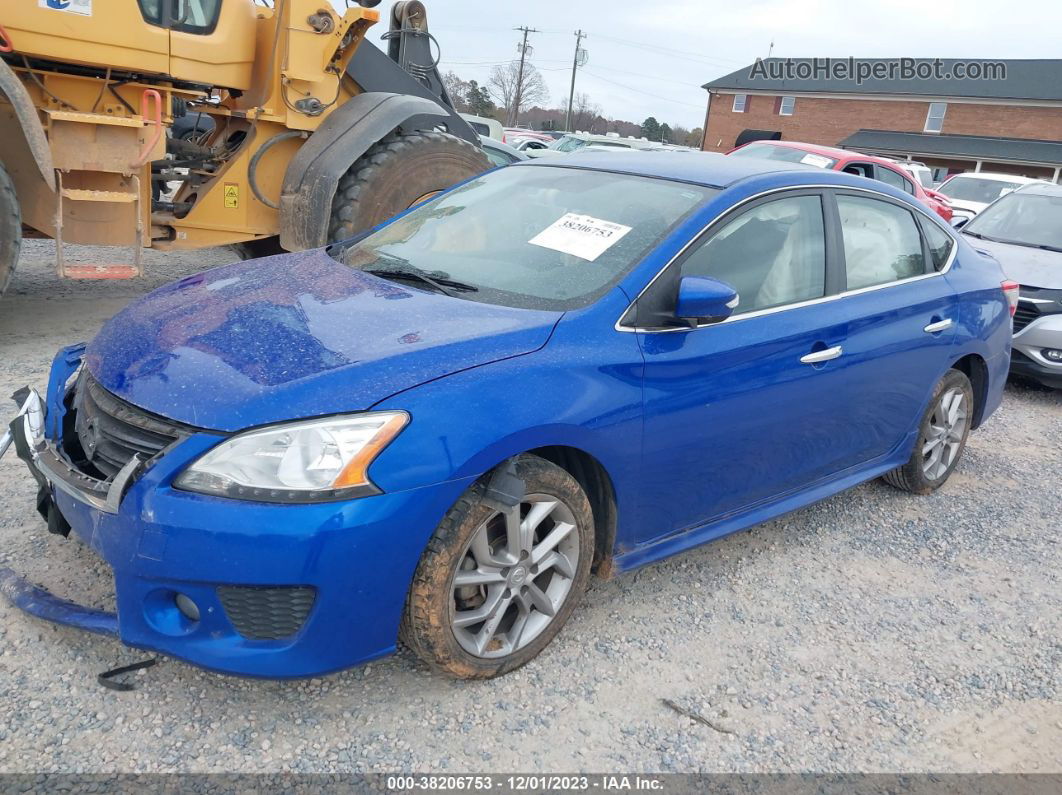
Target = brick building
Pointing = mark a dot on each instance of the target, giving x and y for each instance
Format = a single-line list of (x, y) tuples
[(1013, 125)]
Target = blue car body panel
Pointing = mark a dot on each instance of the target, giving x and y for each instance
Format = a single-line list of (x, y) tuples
[(700, 432), (294, 336)]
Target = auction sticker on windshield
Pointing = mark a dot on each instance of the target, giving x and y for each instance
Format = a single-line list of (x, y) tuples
[(582, 236), (816, 160)]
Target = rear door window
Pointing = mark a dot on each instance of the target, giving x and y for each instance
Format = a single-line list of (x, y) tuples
[(882, 242), (940, 244)]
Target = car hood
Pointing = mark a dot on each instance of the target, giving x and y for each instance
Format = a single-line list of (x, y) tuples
[(1034, 267), (293, 336)]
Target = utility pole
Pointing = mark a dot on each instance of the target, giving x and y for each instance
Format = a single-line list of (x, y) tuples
[(580, 60), (525, 50)]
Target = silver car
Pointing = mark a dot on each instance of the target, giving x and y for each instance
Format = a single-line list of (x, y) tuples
[(1023, 230)]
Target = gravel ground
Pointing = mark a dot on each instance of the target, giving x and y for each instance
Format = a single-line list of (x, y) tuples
[(872, 632)]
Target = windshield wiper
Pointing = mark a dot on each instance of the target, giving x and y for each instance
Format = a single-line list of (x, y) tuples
[(1044, 246), (442, 285)]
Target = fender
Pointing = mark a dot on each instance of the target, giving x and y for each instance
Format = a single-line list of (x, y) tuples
[(312, 176), (26, 114)]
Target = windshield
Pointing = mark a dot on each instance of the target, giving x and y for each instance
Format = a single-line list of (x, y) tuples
[(568, 144), (538, 237), (976, 189), (1024, 218), (784, 153)]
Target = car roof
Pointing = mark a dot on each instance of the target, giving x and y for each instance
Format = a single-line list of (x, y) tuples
[(702, 168), (996, 176), (828, 151), (1041, 189)]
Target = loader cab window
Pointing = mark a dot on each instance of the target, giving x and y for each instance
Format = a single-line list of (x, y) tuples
[(187, 16)]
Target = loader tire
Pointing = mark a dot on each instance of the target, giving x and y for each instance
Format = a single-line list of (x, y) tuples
[(396, 173), (10, 229)]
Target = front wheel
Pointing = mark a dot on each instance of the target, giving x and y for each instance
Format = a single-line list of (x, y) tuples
[(497, 583), (10, 229), (941, 439)]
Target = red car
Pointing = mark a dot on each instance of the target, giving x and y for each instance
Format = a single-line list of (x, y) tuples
[(878, 168)]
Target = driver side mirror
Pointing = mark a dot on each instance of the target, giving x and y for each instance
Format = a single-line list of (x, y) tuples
[(701, 299), (959, 221)]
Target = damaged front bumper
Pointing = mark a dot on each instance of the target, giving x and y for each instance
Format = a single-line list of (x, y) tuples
[(25, 434), (196, 576)]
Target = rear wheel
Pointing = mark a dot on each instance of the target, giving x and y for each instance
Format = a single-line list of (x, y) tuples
[(941, 439), (10, 229), (398, 172), (497, 583)]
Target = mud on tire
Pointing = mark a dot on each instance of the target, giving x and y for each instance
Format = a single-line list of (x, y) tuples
[(397, 172), (426, 626), (10, 229)]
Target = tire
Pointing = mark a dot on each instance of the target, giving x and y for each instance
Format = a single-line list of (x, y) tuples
[(10, 229), (922, 474), (262, 247), (396, 173), (521, 630)]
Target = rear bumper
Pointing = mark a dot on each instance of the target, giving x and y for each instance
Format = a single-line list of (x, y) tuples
[(355, 559)]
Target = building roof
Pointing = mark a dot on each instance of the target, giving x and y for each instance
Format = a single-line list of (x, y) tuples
[(702, 168), (1031, 79), (977, 147)]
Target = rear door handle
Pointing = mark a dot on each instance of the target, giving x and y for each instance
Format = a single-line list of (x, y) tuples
[(822, 356), (940, 325)]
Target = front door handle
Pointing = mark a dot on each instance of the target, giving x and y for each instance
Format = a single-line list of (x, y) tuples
[(822, 356), (940, 325)]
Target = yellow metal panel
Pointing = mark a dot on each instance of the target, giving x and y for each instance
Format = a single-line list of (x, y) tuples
[(222, 58), (114, 34)]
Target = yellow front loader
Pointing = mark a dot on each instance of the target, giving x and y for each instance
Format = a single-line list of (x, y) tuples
[(303, 132)]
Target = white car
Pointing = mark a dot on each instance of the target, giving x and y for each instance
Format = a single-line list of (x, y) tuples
[(971, 192), (580, 140)]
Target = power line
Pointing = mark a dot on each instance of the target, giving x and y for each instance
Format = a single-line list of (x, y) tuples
[(661, 50), (638, 91)]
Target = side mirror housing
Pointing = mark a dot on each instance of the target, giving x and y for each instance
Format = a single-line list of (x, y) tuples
[(959, 221), (701, 299)]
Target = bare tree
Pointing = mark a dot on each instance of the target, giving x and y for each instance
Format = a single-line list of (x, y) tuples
[(503, 87), (585, 112), (458, 90)]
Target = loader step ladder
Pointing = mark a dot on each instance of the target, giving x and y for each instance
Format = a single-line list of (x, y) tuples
[(99, 271), (108, 155)]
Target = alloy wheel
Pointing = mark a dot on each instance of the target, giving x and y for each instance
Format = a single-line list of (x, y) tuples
[(945, 434), (514, 576)]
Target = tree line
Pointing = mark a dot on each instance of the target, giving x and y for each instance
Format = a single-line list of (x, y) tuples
[(497, 99)]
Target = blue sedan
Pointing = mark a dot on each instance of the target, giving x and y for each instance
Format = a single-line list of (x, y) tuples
[(439, 430)]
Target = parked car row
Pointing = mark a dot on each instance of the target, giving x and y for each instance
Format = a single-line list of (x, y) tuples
[(828, 157)]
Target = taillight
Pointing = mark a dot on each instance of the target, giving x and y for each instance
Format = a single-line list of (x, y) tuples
[(1012, 290)]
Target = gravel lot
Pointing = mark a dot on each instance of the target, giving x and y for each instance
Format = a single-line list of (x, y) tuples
[(872, 632)]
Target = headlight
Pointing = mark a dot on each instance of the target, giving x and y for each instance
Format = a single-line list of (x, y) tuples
[(308, 461)]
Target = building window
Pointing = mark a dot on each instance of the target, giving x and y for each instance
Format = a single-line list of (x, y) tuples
[(935, 117), (786, 105), (741, 102)]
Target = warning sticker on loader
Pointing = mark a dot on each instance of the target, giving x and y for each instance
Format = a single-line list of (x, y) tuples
[(83, 7), (232, 195), (582, 236)]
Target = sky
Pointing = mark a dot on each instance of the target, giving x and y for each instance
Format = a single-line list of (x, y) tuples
[(651, 58)]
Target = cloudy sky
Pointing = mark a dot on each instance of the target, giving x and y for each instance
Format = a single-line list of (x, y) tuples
[(650, 58)]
